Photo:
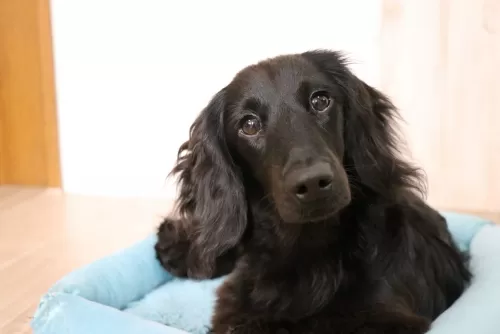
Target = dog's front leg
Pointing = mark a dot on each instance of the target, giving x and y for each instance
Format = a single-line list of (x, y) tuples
[(173, 246), (235, 313), (176, 253)]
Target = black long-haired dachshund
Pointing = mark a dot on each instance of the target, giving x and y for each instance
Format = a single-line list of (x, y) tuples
[(292, 183)]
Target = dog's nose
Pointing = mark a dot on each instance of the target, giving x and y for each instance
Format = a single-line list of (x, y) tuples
[(311, 183)]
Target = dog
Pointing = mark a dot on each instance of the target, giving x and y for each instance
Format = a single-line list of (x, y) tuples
[(292, 183)]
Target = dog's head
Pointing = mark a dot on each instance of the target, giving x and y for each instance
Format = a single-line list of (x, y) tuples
[(301, 130), (284, 122)]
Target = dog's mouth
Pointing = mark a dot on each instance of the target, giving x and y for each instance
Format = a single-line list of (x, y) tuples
[(319, 215), (313, 212)]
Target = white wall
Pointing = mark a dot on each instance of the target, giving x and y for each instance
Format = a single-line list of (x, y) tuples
[(132, 75)]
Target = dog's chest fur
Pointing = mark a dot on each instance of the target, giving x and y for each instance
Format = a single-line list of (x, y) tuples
[(296, 279)]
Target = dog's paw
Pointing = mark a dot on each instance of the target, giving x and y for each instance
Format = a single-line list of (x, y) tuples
[(172, 248)]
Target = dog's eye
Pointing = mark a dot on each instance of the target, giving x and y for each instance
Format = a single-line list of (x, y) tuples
[(251, 126), (320, 101)]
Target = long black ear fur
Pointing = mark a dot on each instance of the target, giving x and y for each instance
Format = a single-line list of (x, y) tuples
[(373, 156), (211, 197)]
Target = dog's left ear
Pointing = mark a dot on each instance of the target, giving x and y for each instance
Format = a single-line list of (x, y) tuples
[(372, 146)]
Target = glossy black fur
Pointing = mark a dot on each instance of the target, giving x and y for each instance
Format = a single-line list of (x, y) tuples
[(374, 259)]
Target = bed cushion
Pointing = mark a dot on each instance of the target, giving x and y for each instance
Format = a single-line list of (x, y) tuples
[(129, 293)]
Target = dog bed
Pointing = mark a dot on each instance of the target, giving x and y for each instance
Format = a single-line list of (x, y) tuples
[(129, 293)]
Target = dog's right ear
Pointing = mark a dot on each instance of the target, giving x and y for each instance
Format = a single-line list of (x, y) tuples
[(211, 198)]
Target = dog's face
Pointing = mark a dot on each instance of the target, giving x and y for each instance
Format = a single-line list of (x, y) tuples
[(284, 122), (300, 130)]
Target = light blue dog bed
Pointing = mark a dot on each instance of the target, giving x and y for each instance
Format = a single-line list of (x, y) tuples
[(129, 293)]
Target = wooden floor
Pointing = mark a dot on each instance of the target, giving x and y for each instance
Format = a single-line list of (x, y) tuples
[(44, 234)]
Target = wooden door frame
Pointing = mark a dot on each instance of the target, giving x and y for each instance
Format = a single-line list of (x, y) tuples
[(29, 147)]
